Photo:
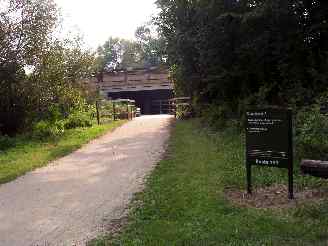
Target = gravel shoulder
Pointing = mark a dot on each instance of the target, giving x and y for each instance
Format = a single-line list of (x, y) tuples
[(73, 199)]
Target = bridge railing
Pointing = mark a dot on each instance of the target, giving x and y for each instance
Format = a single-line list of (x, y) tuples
[(111, 110), (161, 106), (180, 107)]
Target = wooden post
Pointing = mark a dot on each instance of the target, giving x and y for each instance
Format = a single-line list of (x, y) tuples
[(97, 109), (160, 106), (175, 109), (249, 178), (291, 164), (133, 111), (114, 111)]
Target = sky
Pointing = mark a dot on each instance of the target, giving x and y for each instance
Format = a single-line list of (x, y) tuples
[(97, 20)]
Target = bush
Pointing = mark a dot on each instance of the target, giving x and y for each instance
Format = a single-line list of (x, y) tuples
[(44, 129), (6, 142), (78, 119), (183, 111), (54, 113), (312, 134), (215, 116)]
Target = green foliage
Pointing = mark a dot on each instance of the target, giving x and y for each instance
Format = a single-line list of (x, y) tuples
[(231, 55), (47, 129), (148, 50), (26, 153), (153, 46), (256, 52), (6, 142), (41, 77), (58, 79), (25, 29), (181, 86), (53, 113), (312, 134), (78, 119), (109, 54), (215, 116), (312, 211), (183, 111)]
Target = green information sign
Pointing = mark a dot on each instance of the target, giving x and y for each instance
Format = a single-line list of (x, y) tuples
[(269, 141)]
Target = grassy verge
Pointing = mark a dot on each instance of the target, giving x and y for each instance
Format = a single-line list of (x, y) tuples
[(28, 154), (184, 202)]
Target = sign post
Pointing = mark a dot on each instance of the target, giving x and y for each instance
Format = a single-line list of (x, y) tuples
[(269, 142)]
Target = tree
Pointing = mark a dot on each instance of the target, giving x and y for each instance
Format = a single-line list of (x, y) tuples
[(59, 78), (148, 50), (232, 53), (57, 68), (131, 55), (109, 54), (24, 30), (153, 46)]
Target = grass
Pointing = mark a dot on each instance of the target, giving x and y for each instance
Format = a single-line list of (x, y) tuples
[(184, 203), (26, 154)]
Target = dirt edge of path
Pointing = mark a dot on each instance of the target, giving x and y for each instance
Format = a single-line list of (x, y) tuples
[(275, 197)]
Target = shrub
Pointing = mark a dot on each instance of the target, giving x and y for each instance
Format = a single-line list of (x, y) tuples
[(183, 111), (44, 129), (312, 134), (78, 119), (6, 142), (54, 113), (215, 116)]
